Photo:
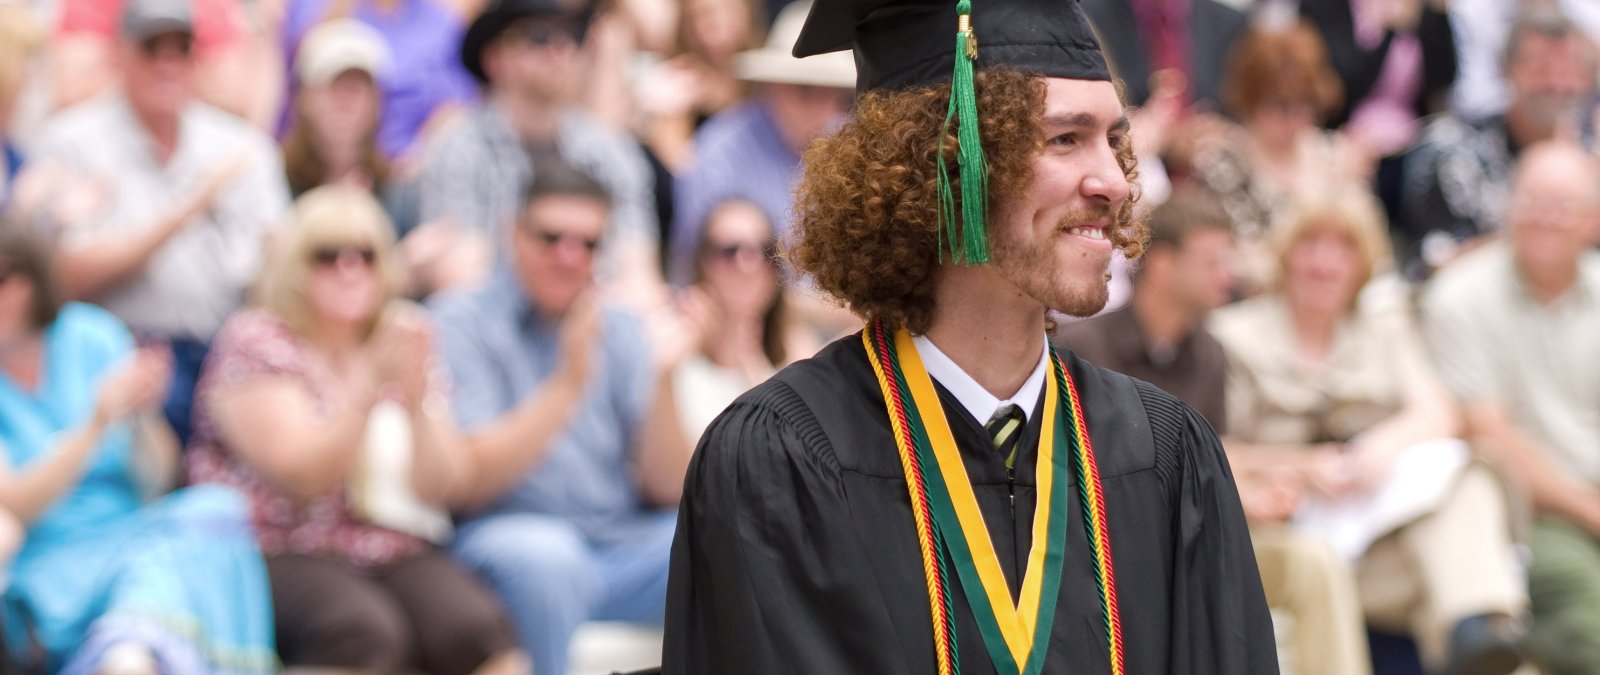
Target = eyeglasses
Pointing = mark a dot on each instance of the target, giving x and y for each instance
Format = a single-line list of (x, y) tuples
[(329, 256), (546, 33), (555, 239), (745, 250), (170, 43)]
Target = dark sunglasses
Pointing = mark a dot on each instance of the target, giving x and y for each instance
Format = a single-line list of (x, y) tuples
[(731, 252), (546, 33), (182, 44), (328, 256)]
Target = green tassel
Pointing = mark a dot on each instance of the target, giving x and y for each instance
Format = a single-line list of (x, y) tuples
[(974, 247)]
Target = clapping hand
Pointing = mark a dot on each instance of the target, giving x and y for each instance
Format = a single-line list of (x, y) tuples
[(139, 383), (402, 348)]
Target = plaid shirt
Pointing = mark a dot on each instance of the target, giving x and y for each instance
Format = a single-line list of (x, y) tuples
[(475, 176)]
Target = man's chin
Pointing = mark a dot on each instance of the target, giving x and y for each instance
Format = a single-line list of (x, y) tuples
[(1080, 302)]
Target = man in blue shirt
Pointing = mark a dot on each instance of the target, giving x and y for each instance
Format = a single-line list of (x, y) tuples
[(567, 411)]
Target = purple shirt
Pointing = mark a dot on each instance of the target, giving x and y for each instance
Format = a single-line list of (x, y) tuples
[(425, 70)]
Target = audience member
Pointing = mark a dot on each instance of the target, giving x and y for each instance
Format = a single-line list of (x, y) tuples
[(235, 71), (20, 38), (425, 85), (1513, 327), (752, 150), (1189, 37), (701, 79), (748, 331), (1280, 86), (104, 581), (188, 194), (1456, 178), (1338, 395), (333, 134), (570, 420), (1481, 28), (525, 53), (289, 397), (1160, 335), (1396, 60)]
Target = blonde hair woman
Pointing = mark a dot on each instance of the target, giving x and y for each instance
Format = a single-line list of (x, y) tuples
[(1337, 400), (284, 410)]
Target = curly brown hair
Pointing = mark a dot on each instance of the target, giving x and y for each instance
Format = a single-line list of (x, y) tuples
[(866, 215)]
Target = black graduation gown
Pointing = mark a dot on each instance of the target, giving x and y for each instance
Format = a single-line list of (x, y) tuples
[(796, 550)]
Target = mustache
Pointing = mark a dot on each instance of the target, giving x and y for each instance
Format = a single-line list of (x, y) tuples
[(1077, 217)]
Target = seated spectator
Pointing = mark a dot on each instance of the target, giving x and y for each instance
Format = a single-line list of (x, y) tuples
[(1456, 179), (426, 84), (701, 79), (752, 150), (570, 420), (738, 291), (1334, 396), (105, 581), (1160, 335), (1513, 328), (1189, 38), (233, 70), (1280, 86), (1396, 60), (289, 399), (333, 133), (525, 54), (20, 38), (188, 194)]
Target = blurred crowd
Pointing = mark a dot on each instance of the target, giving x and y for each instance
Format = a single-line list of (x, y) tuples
[(376, 335)]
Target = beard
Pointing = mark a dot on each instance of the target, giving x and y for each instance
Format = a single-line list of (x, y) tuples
[(1075, 287)]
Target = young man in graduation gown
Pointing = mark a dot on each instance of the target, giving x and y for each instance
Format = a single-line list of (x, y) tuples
[(942, 493)]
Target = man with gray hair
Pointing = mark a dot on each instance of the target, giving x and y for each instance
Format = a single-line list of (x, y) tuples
[(1456, 179), (1513, 328), (184, 195)]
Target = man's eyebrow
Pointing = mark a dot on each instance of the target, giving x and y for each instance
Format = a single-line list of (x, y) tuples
[(1083, 119)]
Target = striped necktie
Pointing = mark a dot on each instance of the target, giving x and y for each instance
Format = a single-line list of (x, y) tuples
[(1005, 430)]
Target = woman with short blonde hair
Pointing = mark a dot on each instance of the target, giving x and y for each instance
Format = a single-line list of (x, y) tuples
[(297, 396)]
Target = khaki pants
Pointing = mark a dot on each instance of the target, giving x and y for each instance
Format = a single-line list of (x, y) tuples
[(1305, 579), (1421, 580), (1451, 564)]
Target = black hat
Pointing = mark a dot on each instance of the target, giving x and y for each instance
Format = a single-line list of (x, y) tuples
[(903, 43), (499, 16)]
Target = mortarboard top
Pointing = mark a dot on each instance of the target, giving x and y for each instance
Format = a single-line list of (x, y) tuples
[(904, 43)]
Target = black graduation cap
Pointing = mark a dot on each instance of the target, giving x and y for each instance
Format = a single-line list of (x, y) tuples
[(903, 43)]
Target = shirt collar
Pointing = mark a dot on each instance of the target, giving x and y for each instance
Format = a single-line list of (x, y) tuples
[(981, 404)]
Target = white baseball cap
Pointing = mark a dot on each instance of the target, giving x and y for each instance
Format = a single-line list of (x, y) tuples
[(339, 45)]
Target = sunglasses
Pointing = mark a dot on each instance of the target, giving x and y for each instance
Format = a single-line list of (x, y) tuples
[(329, 256), (555, 239), (173, 43), (746, 250)]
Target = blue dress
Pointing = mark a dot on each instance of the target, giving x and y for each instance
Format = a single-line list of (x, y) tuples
[(181, 575)]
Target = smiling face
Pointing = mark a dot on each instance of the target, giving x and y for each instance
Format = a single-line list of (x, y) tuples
[(736, 263), (1555, 207), (1323, 272), (158, 73), (1052, 239), (557, 238)]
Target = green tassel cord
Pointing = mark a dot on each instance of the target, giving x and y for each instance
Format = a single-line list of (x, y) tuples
[(974, 241)]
